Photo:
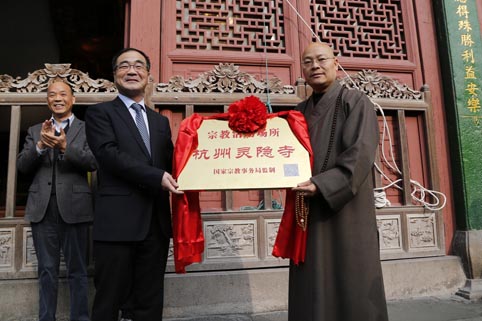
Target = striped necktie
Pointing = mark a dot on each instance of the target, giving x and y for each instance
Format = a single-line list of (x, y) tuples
[(141, 125)]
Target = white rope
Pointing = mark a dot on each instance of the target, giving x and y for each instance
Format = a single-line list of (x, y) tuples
[(304, 21), (381, 199), (439, 199), (419, 193), (265, 30)]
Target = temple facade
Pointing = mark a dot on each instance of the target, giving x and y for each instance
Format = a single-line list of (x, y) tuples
[(417, 61)]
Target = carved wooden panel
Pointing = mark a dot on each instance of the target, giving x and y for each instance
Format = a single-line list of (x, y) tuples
[(230, 239), (29, 258), (361, 29), (224, 78), (271, 230), (40, 79), (376, 85), (170, 253), (422, 231), (7, 248), (241, 26), (390, 232)]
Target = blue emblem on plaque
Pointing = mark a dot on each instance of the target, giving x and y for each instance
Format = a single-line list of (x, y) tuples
[(291, 170)]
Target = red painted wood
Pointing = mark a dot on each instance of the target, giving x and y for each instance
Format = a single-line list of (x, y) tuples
[(243, 199), (417, 149), (430, 66), (145, 31), (168, 36), (211, 201)]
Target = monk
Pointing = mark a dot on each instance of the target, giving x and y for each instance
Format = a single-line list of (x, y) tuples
[(341, 278)]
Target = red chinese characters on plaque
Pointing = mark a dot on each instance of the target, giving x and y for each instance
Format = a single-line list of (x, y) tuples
[(271, 157)]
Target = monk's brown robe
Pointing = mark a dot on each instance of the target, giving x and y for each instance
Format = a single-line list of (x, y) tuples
[(341, 278)]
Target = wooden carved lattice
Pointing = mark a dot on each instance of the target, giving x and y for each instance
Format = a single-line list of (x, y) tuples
[(361, 29), (225, 78), (374, 85), (39, 80), (229, 25)]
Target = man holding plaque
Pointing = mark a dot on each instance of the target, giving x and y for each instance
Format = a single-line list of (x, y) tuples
[(341, 277), (132, 221)]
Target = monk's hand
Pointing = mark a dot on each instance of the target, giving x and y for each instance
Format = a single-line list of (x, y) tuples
[(306, 188), (169, 184)]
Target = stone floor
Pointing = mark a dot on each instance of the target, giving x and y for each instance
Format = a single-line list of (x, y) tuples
[(451, 308)]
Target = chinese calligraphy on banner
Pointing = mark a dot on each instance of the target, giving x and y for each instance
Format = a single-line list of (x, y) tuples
[(270, 158), (468, 41)]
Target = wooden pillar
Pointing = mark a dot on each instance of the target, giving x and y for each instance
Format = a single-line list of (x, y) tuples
[(268, 199), (12, 161), (407, 199), (426, 24)]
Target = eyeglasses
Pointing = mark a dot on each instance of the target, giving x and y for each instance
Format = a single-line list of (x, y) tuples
[(138, 66), (320, 61)]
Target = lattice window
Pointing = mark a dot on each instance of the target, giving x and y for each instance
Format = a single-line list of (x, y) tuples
[(361, 29), (231, 25)]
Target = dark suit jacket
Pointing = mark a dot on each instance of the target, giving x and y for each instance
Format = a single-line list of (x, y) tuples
[(129, 180), (73, 193)]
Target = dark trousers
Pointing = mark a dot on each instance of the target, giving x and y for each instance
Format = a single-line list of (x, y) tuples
[(133, 273), (50, 236)]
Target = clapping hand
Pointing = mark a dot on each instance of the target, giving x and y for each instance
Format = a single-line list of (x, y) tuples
[(48, 139)]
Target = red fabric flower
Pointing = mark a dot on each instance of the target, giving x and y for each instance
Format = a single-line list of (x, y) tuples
[(247, 115)]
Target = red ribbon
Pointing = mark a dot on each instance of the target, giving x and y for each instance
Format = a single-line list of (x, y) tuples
[(186, 214)]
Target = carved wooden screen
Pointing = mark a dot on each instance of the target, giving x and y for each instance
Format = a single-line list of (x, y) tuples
[(240, 26), (376, 33), (361, 29), (199, 34)]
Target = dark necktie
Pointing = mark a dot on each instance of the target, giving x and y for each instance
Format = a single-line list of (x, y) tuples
[(141, 126), (57, 133), (56, 157)]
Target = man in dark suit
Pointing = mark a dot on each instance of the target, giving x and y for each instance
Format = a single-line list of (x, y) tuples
[(59, 204), (132, 223)]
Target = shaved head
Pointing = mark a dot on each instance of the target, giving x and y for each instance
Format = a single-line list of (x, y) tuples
[(319, 66), (321, 45)]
